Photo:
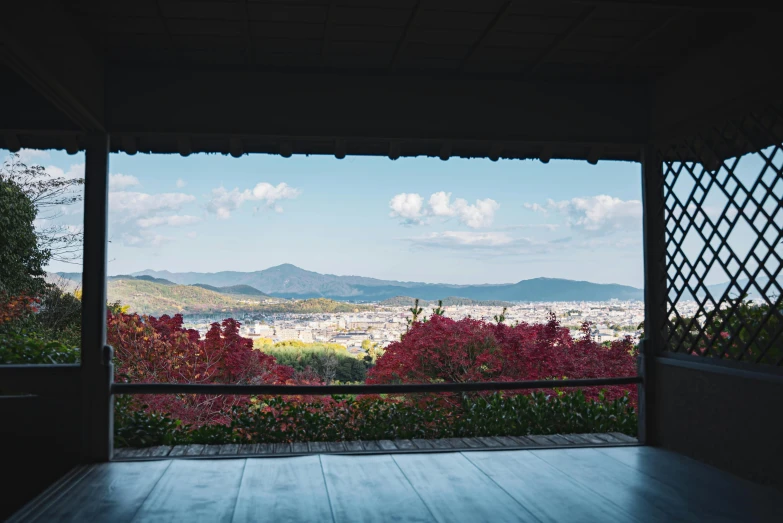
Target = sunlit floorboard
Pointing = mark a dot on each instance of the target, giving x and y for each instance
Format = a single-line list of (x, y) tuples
[(575, 485)]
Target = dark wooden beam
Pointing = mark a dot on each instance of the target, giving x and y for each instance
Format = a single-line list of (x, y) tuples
[(631, 49), (250, 53), (583, 18), (721, 81), (654, 288), (487, 30), (688, 5), (165, 24), (327, 34), (404, 108), (61, 66), (404, 39), (97, 372)]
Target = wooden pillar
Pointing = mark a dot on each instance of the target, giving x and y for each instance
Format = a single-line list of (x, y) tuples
[(654, 289), (97, 372)]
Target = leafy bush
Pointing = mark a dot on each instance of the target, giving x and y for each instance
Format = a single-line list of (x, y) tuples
[(752, 332), (18, 348), (329, 361), (276, 420)]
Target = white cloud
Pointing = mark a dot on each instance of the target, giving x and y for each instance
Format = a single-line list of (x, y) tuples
[(223, 202), (410, 207), (181, 183), (126, 205), (145, 239), (599, 215), (74, 171), (535, 207), (122, 181), (172, 221), (489, 239), (491, 243), (32, 156)]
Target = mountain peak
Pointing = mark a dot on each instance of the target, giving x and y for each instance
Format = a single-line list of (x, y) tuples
[(286, 267)]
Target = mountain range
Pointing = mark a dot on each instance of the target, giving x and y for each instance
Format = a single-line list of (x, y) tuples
[(290, 281)]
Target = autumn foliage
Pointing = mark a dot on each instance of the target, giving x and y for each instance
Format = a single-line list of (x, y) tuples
[(468, 350), (160, 350), (14, 307)]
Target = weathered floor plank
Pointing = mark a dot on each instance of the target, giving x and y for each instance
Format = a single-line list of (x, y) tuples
[(720, 496), (300, 447), (110, 492), (549, 494), (629, 489), (282, 489), (467, 495), (387, 444), (354, 446), (371, 488), (199, 490), (566, 484), (317, 447)]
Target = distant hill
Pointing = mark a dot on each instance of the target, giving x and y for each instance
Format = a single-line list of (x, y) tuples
[(244, 290), (451, 301), (289, 281), (147, 297), (143, 277)]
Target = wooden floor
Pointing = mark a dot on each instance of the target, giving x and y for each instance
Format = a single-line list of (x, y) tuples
[(384, 446), (590, 485)]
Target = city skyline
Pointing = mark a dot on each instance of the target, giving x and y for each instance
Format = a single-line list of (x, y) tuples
[(416, 219)]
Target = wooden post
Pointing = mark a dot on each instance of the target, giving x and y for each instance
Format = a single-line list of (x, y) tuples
[(654, 289), (97, 372)]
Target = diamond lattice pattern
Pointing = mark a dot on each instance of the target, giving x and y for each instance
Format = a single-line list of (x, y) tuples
[(724, 242)]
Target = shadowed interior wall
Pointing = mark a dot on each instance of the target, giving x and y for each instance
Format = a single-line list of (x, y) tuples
[(729, 420), (41, 441)]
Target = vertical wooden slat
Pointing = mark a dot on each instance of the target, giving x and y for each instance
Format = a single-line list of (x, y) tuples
[(654, 288), (97, 373)]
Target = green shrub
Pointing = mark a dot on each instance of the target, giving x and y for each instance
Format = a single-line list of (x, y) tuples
[(22, 348), (276, 420)]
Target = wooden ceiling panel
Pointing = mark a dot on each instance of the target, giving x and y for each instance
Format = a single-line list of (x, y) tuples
[(468, 6), (210, 10), (123, 25), (596, 43), (288, 13), (442, 36), (453, 19), (288, 60), (382, 50), (526, 40), (450, 52), (137, 41), (288, 45), (286, 30), (419, 63), (121, 8), (534, 24), (550, 8), (369, 33), (177, 26), (339, 14), (213, 42)]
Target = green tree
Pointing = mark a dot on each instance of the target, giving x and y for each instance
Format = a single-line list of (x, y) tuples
[(21, 257), (48, 194)]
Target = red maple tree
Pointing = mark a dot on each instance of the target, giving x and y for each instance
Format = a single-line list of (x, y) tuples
[(469, 350)]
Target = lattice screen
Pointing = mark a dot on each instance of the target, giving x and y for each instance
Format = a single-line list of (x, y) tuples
[(724, 241)]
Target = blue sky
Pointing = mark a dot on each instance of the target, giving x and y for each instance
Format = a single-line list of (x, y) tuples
[(422, 219)]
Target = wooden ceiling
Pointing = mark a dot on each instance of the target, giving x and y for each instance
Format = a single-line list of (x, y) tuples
[(476, 78), (484, 37)]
